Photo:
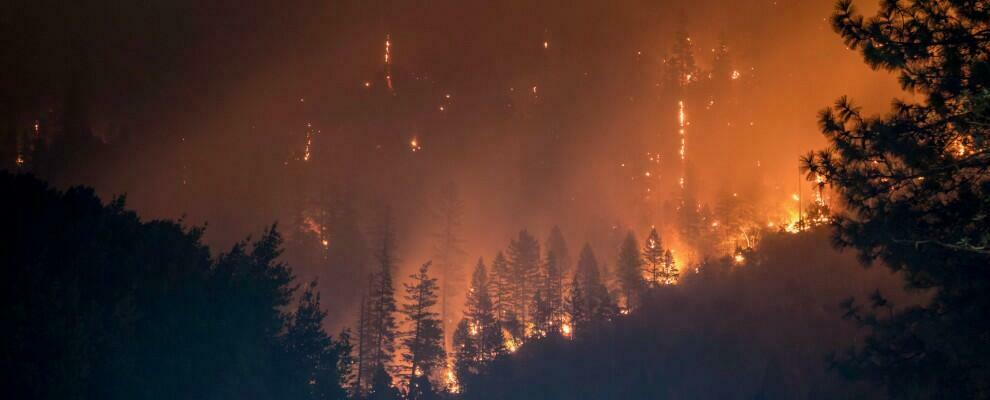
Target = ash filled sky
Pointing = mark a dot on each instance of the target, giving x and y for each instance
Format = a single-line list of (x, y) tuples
[(541, 112)]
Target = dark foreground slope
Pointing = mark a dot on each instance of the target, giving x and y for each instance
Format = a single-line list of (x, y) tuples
[(98, 304), (761, 330)]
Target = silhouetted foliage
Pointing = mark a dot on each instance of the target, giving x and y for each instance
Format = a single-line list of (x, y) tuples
[(102, 305), (759, 330), (914, 183)]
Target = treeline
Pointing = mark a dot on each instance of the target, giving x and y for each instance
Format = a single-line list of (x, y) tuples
[(761, 329), (99, 304)]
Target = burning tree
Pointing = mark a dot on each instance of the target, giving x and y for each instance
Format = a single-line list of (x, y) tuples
[(629, 268), (653, 258), (914, 184)]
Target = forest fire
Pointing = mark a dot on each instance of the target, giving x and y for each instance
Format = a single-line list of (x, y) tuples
[(641, 218)]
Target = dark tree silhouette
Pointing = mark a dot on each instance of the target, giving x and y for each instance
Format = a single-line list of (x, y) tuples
[(914, 184), (524, 265), (629, 269), (423, 343), (379, 311), (103, 305), (480, 313), (653, 258)]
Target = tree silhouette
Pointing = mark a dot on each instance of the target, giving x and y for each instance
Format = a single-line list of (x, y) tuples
[(423, 343), (914, 184)]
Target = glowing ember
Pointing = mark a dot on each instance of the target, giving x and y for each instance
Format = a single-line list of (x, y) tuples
[(736, 75), (451, 380), (414, 145), (738, 259)]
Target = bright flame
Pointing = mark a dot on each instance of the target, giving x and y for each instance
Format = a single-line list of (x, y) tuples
[(739, 258), (736, 75), (510, 343), (566, 329), (451, 380), (325, 243)]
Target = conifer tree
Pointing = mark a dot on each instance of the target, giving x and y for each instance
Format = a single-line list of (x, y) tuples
[(540, 314), (595, 305), (524, 265), (554, 291), (381, 386), (423, 343), (467, 356), (448, 250), (577, 306), (312, 356), (670, 271), (501, 279), (380, 329), (914, 183), (480, 313), (653, 258), (558, 246), (629, 268)]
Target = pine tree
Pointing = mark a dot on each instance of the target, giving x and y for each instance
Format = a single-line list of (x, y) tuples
[(501, 286), (312, 356), (448, 249), (423, 343), (381, 386), (346, 361), (653, 258), (540, 315), (577, 306), (480, 313), (467, 355), (629, 269), (558, 246), (592, 303), (914, 183), (524, 265), (670, 271), (554, 291), (679, 68), (380, 329)]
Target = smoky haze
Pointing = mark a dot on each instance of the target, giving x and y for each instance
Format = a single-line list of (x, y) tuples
[(539, 113)]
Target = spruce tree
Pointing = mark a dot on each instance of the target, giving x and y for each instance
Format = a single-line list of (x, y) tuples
[(629, 269), (423, 343), (914, 184), (653, 258)]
